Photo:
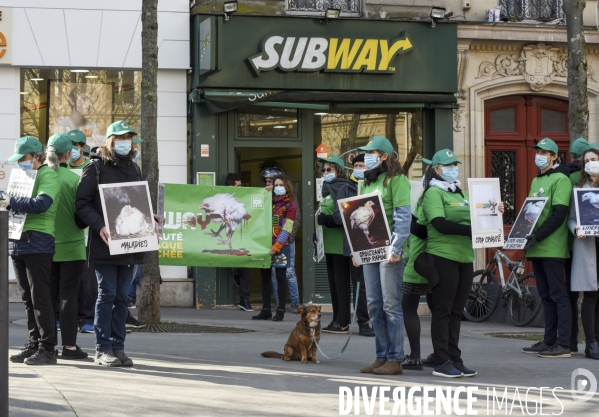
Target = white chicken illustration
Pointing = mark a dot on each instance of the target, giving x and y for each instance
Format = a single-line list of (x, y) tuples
[(493, 205), (533, 210), (225, 209), (592, 198), (362, 218), (131, 221)]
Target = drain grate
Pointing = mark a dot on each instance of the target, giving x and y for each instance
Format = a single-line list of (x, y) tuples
[(188, 328)]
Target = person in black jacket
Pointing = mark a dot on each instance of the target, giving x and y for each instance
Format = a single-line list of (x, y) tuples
[(111, 164)]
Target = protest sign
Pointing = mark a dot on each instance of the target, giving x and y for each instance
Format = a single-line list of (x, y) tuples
[(216, 226), (20, 184), (486, 220), (319, 244), (586, 202), (366, 227), (129, 217), (525, 222)]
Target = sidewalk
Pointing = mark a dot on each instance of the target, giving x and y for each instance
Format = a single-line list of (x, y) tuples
[(220, 374)]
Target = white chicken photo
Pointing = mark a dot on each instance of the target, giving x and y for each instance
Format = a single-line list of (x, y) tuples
[(362, 218), (128, 211), (364, 221), (527, 218), (229, 212), (587, 207), (131, 221)]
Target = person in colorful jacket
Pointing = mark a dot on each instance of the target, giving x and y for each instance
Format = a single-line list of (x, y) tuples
[(32, 254), (383, 279), (548, 250), (283, 210)]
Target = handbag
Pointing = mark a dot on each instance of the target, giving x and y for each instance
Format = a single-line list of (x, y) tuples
[(281, 259)]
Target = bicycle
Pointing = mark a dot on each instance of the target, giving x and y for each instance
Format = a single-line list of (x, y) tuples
[(522, 298)]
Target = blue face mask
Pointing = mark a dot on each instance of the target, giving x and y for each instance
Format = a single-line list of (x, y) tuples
[(371, 160), (359, 174), (122, 147), (279, 190), (450, 174), (25, 165), (541, 161), (136, 157), (328, 177), (75, 154)]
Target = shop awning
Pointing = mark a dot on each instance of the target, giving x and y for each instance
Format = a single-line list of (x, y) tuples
[(223, 100)]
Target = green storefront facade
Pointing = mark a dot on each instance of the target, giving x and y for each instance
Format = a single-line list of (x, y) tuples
[(275, 88)]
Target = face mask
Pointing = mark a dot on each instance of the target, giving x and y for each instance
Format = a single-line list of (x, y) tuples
[(359, 173), (25, 165), (371, 160), (592, 168), (136, 157), (450, 174), (280, 190), (542, 161), (122, 147), (328, 177), (75, 154)]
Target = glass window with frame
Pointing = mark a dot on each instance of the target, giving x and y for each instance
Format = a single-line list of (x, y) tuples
[(266, 122)]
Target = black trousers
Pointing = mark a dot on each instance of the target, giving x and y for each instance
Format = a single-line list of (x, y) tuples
[(245, 282), (449, 297), (357, 275), (281, 274), (33, 277), (338, 270), (409, 306), (589, 314), (65, 279), (573, 296), (551, 285), (88, 294)]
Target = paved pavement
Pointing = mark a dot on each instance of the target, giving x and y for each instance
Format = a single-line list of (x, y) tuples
[(219, 374)]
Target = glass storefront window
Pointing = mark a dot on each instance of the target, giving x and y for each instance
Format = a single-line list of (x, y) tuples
[(57, 101), (264, 122)]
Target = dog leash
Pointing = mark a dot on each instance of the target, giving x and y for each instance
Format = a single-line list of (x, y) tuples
[(351, 326)]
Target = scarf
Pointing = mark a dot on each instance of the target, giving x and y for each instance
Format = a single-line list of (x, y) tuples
[(453, 187)]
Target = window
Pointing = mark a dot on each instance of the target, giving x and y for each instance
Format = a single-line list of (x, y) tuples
[(543, 10), (553, 121), (264, 122), (503, 120)]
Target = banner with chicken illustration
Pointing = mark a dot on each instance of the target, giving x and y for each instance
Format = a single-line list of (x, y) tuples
[(129, 217), (525, 222), (366, 227), (587, 210), (216, 226), (487, 221)]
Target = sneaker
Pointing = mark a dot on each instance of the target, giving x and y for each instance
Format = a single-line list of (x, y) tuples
[(132, 322), (447, 370), (131, 304), (365, 330), (87, 328), (125, 360), (106, 358), (294, 307), (336, 328), (76, 353), (411, 364), (460, 367), (245, 305), (537, 348), (41, 357), (27, 352), (429, 361), (331, 325), (556, 351), (574, 349)]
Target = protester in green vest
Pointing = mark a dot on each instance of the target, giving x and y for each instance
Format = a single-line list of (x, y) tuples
[(548, 250), (32, 254), (69, 257), (79, 142)]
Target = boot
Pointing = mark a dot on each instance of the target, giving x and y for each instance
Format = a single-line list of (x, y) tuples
[(592, 351), (279, 316), (376, 364), (389, 368), (265, 314)]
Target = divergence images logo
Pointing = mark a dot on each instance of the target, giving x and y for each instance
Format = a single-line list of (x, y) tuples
[(584, 385), (257, 202), (310, 54)]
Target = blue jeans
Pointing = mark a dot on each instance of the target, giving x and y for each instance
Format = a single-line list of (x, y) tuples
[(111, 306), (383, 293), (291, 278), (132, 295)]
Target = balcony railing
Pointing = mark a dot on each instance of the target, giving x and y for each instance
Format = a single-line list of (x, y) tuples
[(542, 10), (347, 7)]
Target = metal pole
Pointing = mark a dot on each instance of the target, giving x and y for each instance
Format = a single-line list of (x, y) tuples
[(3, 313)]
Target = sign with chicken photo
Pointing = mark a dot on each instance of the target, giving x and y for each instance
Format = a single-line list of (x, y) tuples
[(487, 221), (525, 222), (216, 226), (129, 218), (366, 227), (587, 210)]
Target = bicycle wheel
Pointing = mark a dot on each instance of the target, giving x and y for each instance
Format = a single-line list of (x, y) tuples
[(524, 309), (483, 298)]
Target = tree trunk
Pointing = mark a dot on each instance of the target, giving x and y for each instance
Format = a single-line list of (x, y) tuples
[(415, 143), (149, 307), (578, 108)]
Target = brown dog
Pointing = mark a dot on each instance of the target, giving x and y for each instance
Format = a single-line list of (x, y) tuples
[(299, 346)]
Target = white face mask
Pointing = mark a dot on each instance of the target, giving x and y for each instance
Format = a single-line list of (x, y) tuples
[(592, 168)]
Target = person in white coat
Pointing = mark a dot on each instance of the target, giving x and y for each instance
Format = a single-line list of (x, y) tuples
[(585, 261)]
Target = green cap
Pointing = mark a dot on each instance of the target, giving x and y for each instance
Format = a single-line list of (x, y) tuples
[(378, 143), (61, 142), (443, 157), (547, 145), (334, 159), (119, 128), (77, 136), (137, 140), (24, 146), (87, 149), (580, 146)]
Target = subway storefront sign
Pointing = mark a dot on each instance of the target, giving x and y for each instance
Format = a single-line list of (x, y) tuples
[(308, 54)]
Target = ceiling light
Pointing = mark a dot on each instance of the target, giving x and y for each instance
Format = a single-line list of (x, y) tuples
[(279, 127), (332, 14), (320, 114), (229, 7), (91, 76), (80, 70), (36, 79)]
